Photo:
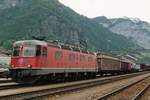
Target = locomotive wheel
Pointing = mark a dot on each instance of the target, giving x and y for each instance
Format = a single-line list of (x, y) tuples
[(28, 80)]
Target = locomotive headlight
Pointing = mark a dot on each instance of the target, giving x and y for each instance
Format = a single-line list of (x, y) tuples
[(29, 66)]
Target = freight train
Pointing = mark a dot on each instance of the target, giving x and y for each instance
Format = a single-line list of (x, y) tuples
[(34, 59)]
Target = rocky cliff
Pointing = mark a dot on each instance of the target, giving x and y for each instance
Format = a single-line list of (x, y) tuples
[(132, 28)]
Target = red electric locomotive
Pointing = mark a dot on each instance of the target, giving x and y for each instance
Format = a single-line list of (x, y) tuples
[(33, 59)]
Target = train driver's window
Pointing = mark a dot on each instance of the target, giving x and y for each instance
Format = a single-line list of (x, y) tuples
[(16, 51)]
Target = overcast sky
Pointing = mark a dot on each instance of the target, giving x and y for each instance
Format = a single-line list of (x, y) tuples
[(111, 8)]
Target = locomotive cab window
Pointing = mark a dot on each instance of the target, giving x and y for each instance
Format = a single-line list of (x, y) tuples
[(16, 51)]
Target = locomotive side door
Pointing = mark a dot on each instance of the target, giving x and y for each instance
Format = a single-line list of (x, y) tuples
[(44, 56), (41, 54)]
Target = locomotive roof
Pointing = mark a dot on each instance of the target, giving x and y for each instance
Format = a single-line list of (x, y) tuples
[(30, 42), (51, 44)]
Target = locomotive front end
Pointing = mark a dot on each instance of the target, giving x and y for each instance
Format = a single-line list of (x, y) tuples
[(24, 61), (23, 57)]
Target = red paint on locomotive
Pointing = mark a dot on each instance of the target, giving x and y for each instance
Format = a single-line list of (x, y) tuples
[(50, 57)]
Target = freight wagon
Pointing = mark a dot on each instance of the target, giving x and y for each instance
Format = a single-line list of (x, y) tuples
[(112, 64)]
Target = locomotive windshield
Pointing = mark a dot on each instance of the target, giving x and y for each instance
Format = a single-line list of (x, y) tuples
[(29, 51)]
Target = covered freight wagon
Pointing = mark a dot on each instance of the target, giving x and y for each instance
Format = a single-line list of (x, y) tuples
[(112, 64), (108, 63)]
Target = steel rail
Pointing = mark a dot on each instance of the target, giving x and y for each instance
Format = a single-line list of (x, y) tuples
[(5, 81), (139, 95), (5, 86)]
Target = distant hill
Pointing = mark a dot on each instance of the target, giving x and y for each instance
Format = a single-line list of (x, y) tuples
[(132, 28), (22, 19)]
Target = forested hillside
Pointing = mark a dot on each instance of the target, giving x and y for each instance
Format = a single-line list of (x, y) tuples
[(22, 19)]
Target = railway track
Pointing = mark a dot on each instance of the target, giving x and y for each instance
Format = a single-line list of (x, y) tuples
[(142, 93), (132, 91), (4, 80), (35, 92), (11, 85), (7, 84), (145, 94)]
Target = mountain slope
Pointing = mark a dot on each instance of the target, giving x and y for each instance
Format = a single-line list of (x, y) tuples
[(25, 18), (135, 29)]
